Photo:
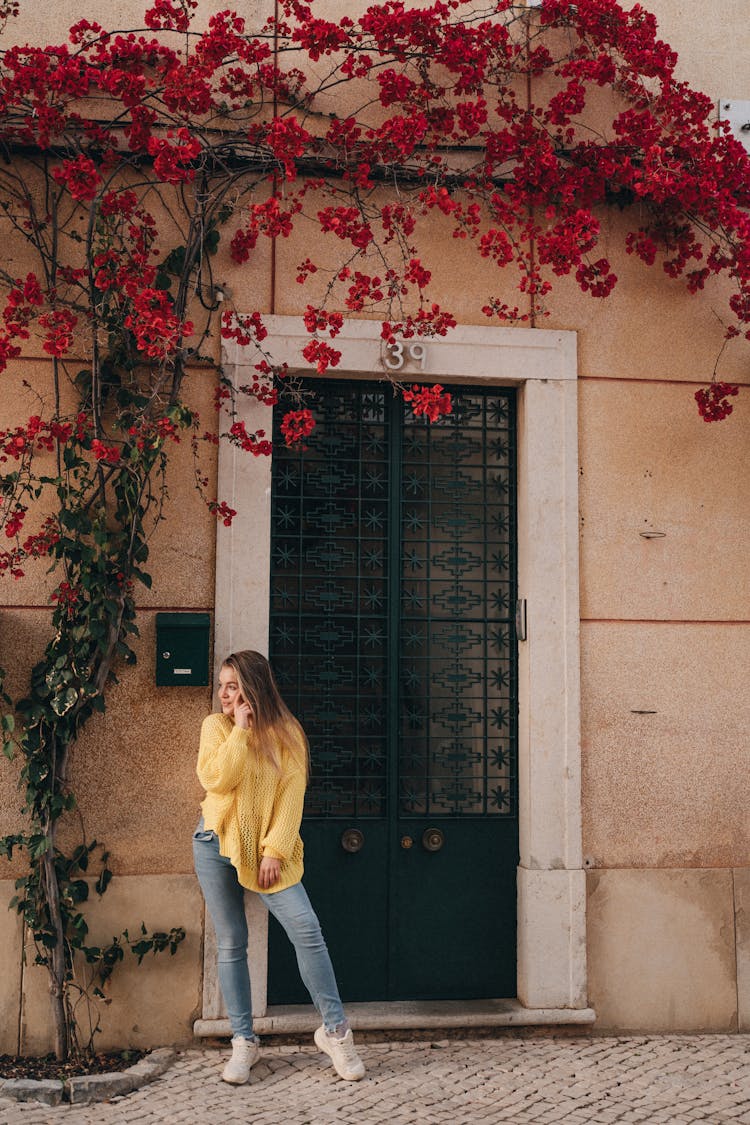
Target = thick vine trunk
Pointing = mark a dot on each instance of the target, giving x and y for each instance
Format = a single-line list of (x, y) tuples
[(56, 965)]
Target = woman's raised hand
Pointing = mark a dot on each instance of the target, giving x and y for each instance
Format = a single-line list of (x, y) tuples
[(243, 714)]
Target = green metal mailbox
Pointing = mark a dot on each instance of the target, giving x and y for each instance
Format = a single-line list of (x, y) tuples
[(182, 649)]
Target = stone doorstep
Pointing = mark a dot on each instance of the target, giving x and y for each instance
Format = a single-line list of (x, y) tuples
[(407, 1015), (87, 1088)]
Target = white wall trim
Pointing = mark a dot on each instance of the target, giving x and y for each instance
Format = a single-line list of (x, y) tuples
[(543, 365)]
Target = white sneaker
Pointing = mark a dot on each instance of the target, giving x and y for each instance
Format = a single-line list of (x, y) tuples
[(342, 1053), (245, 1054)]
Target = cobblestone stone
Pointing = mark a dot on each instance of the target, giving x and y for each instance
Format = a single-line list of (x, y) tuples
[(542, 1080)]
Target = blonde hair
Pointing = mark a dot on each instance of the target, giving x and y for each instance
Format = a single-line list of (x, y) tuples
[(274, 724)]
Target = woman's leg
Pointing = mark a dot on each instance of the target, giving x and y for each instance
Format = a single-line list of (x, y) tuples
[(292, 908), (225, 899)]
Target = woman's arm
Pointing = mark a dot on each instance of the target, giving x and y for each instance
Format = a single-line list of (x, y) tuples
[(222, 758)]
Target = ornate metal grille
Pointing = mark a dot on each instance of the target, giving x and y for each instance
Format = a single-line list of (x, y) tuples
[(392, 594)]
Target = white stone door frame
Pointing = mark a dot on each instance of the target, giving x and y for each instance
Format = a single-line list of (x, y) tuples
[(543, 366)]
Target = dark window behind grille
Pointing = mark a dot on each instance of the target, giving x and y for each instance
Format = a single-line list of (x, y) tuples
[(393, 588)]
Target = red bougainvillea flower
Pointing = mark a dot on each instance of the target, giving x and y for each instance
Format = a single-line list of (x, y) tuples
[(222, 511), (297, 425), (713, 401), (432, 402), (80, 176)]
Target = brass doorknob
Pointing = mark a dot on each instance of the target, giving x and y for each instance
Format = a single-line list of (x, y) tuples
[(432, 839), (352, 840)]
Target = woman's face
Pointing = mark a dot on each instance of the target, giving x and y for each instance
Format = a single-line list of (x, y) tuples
[(229, 690)]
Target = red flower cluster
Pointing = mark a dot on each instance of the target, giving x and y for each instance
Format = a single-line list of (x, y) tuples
[(150, 435), (251, 443), (296, 425), (35, 546), (364, 290), (440, 142), (245, 329), (265, 218), (79, 176), (322, 355), (347, 224), (58, 325), (14, 521), (10, 562), (173, 161), (261, 389), (222, 511), (67, 597), (41, 543), (170, 15), (432, 402), (109, 453), (318, 320), (713, 401), (157, 330), (35, 435)]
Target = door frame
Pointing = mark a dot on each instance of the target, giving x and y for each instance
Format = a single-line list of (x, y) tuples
[(542, 365)]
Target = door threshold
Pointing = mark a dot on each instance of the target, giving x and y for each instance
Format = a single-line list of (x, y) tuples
[(392, 1015)]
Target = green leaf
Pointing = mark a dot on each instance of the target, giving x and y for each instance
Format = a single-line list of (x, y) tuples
[(103, 881), (174, 262), (62, 703), (80, 890), (143, 576), (39, 848)]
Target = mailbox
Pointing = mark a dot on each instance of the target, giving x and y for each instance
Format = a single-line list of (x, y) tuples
[(182, 649)]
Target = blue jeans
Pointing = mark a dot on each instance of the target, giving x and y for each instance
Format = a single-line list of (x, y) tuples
[(225, 899)]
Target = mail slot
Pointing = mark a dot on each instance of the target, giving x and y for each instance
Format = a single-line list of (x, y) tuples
[(182, 649)]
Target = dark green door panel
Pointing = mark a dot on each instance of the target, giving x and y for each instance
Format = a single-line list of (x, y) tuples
[(454, 912), (392, 591), (349, 894)]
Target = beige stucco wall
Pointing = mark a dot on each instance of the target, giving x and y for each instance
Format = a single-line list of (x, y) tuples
[(146, 1005), (665, 629)]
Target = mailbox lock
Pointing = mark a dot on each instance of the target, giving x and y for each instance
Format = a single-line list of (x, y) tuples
[(166, 655)]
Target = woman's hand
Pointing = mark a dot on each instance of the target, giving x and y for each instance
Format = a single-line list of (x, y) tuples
[(243, 714), (269, 871)]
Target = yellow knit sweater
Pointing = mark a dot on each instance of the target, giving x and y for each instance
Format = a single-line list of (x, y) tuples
[(254, 809)]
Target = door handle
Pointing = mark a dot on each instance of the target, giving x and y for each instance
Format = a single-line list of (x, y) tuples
[(352, 840), (432, 839)]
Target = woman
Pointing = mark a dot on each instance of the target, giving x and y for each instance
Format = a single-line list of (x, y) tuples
[(252, 763)]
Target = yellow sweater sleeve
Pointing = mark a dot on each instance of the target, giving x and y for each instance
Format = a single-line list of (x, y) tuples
[(283, 831), (222, 758)]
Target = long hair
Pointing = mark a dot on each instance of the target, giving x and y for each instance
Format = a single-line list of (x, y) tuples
[(273, 723)]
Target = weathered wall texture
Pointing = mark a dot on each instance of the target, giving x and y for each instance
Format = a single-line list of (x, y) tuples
[(665, 639)]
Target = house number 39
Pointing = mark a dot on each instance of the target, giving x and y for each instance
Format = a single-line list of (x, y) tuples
[(399, 354)]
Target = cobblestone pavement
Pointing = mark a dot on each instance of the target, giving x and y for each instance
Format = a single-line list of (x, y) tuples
[(662, 1080)]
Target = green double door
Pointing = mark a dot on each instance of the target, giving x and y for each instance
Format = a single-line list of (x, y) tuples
[(393, 587)]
